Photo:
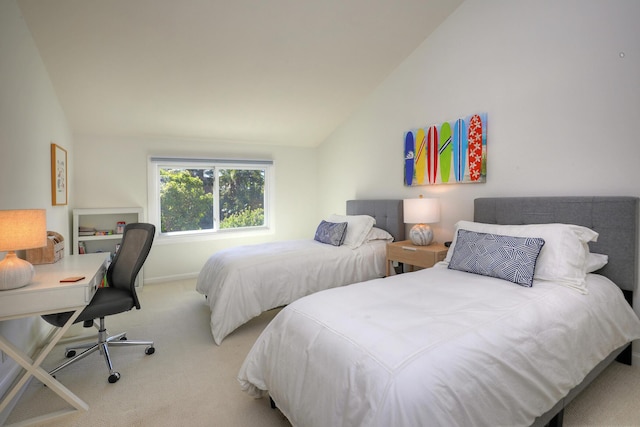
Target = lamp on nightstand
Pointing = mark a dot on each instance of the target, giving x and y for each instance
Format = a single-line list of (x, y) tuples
[(20, 229), (421, 212)]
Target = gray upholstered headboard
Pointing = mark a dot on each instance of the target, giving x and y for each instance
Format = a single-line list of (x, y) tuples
[(388, 214), (614, 218)]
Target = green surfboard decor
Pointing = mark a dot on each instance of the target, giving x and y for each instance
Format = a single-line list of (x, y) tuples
[(445, 150)]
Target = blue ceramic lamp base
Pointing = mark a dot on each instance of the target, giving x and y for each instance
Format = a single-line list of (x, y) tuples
[(421, 235)]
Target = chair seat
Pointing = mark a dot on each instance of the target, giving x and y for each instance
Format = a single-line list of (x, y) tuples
[(105, 302)]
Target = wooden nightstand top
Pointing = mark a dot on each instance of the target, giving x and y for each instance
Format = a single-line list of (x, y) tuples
[(419, 256), (433, 247)]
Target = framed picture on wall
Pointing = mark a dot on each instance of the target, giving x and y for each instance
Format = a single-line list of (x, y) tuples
[(452, 152), (58, 175)]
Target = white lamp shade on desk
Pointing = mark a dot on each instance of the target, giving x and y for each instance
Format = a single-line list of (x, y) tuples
[(421, 212), (20, 229)]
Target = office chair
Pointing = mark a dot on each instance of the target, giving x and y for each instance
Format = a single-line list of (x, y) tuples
[(118, 297)]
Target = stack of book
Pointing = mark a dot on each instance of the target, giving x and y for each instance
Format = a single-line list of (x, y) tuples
[(86, 231)]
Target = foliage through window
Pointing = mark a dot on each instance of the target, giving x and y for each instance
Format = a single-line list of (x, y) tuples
[(200, 196)]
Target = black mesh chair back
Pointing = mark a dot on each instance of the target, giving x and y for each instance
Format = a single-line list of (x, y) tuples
[(133, 252)]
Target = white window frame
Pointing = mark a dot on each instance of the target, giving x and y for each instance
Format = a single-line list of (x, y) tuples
[(155, 163)]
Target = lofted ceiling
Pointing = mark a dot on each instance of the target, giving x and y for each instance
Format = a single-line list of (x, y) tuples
[(285, 72)]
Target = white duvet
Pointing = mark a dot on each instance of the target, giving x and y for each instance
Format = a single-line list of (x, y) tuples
[(242, 282), (435, 348)]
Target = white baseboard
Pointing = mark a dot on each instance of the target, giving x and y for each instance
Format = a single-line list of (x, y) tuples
[(175, 277), (5, 384)]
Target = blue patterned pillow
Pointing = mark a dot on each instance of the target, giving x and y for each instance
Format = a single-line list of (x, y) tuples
[(505, 257), (331, 233)]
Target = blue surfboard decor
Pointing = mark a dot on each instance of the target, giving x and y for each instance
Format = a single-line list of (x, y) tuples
[(459, 149), (409, 152)]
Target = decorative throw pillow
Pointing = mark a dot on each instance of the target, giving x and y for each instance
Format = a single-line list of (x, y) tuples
[(504, 257), (331, 233)]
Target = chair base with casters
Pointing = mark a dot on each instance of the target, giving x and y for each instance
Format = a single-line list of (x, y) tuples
[(102, 345)]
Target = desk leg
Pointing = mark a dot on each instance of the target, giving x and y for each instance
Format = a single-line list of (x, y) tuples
[(32, 368)]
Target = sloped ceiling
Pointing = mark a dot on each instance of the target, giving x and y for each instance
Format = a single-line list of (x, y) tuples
[(284, 72)]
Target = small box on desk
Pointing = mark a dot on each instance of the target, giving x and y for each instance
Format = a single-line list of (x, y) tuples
[(49, 254)]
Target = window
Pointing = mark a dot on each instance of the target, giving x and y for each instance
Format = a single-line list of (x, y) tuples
[(207, 196)]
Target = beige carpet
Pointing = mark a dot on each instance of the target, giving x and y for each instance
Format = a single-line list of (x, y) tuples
[(191, 381)]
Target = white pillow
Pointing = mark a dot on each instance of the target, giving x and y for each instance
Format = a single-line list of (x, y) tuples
[(595, 262), (378, 234), (564, 255), (357, 230)]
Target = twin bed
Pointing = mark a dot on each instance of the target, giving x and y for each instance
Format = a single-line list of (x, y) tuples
[(460, 344), (242, 282)]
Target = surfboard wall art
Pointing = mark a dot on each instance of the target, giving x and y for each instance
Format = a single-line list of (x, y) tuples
[(447, 153)]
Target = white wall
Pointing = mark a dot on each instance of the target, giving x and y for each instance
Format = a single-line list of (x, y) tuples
[(112, 172), (30, 119), (562, 106)]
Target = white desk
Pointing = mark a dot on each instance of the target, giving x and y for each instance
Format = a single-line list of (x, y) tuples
[(47, 295)]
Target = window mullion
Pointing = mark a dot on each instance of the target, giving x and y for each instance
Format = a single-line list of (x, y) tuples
[(216, 199)]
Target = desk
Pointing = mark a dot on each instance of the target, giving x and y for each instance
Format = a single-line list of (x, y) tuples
[(43, 296)]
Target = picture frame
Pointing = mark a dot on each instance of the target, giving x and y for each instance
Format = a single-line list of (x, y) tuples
[(59, 182), (453, 152)]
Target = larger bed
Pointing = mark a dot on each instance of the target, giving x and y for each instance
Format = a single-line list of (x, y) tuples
[(242, 282), (446, 347)]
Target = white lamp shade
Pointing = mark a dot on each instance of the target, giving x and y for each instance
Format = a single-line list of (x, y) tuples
[(421, 211), (23, 229), (20, 229)]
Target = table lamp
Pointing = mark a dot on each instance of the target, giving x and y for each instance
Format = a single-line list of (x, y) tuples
[(20, 229), (421, 212)]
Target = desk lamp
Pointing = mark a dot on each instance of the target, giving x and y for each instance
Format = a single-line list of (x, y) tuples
[(421, 212), (20, 229)]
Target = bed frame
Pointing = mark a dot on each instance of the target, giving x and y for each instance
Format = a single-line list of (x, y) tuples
[(616, 221), (387, 213)]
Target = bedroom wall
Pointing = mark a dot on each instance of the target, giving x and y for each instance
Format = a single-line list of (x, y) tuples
[(112, 172), (30, 119), (562, 106)]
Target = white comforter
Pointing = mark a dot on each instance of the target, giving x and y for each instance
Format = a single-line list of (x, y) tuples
[(435, 348), (242, 282)]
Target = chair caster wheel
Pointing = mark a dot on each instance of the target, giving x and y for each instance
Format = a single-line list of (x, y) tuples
[(114, 377), (69, 353), (150, 350)]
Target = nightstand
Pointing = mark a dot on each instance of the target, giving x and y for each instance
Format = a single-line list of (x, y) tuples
[(416, 256)]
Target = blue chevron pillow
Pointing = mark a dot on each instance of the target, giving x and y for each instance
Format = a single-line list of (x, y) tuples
[(504, 257), (332, 233)]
